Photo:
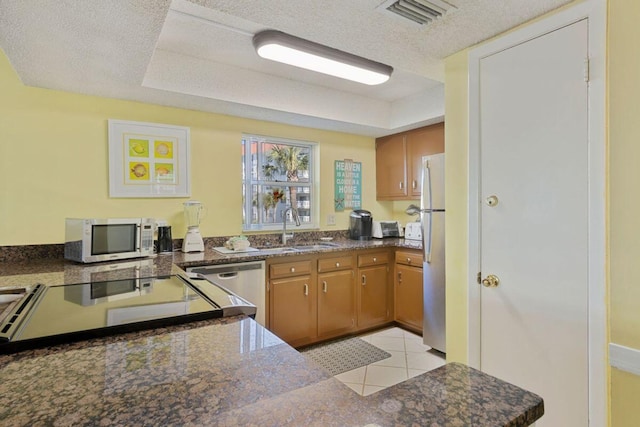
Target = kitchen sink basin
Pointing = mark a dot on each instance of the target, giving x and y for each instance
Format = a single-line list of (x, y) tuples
[(298, 248), (315, 246), (281, 250)]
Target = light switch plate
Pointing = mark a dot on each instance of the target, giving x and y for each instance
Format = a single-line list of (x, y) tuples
[(331, 219)]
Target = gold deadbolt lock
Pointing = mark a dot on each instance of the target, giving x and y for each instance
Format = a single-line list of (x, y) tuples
[(491, 281)]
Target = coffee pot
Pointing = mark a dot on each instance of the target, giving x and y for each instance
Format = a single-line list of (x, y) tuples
[(165, 242)]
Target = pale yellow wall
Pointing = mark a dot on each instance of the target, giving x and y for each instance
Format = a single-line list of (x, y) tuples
[(54, 164), (625, 395), (624, 200), (456, 205)]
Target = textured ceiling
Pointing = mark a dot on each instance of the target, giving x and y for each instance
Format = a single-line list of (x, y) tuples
[(197, 54)]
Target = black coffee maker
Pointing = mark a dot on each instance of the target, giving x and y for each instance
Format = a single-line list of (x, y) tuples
[(360, 223), (165, 242)]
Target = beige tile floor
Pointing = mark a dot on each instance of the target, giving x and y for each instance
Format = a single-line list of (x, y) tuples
[(409, 358)]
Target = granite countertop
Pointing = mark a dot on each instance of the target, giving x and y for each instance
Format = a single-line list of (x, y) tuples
[(57, 271), (233, 372)]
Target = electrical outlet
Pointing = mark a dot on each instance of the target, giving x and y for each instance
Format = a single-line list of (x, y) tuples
[(331, 219)]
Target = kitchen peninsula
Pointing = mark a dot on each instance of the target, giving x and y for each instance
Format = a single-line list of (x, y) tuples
[(228, 371)]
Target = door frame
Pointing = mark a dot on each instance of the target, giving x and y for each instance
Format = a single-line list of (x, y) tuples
[(595, 12)]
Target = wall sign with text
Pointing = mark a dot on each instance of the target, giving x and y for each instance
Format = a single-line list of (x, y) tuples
[(348, 185)]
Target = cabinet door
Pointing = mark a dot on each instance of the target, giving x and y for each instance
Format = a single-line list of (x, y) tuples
[(293, 309), (373, 308), (336, 303), (408, 300), (421, 142), (391, 168)]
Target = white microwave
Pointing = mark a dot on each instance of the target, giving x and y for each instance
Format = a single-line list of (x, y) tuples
[(108, 239)]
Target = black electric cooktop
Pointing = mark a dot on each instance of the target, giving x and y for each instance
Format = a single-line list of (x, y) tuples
[(47, 315)]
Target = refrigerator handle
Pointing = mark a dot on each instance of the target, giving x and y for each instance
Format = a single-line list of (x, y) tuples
[(426, 211), (426, 236), (426, 186)]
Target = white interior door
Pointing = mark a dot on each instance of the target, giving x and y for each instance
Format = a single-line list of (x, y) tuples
[(534, 160)]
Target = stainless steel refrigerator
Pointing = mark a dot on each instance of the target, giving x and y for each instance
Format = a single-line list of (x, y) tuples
[(433, 217)]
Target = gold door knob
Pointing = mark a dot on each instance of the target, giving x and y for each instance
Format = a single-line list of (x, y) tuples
[(491, 281)]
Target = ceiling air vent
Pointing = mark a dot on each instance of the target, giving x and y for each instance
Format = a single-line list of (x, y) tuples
[(419, 11)]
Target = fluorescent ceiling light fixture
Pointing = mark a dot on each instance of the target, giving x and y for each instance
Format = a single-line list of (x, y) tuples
[(281, 47)]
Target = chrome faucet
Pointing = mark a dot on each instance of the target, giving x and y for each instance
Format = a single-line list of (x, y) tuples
[(296, 218)]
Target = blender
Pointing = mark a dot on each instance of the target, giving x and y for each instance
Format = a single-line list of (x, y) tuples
[(193, 214)]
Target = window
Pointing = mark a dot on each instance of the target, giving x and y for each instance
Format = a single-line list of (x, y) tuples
[(277, 175)]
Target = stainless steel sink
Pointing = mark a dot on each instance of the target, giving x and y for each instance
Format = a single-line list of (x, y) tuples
[(280, 250), (316, 246), (299, 248)]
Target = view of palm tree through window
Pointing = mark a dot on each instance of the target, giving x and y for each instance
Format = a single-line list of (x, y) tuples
[(277, 175)]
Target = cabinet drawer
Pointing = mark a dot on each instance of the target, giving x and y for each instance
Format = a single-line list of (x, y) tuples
[(289, 269), (335, 263), (376, 258), (408, 257)]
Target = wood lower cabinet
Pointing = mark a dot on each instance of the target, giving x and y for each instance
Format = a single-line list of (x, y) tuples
[(293, 301), (318, 297), (408, 289), (373, 289), (336, 304), (336, 296)]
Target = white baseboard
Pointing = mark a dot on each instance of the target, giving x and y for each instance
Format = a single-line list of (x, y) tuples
[(624, 358)]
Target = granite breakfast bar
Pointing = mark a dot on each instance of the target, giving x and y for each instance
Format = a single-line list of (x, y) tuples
[(233, 372), (223, 372)]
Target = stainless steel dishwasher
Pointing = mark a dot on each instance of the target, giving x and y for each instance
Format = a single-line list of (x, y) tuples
[(245, 279)]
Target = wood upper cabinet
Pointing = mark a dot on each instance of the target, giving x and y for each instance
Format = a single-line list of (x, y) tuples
[(408, 289), (421, 142), (391, 170), (399, 161), (373, 289)]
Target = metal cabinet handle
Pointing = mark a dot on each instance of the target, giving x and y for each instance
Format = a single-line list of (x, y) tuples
[(375, 259), (293, 269), (399, 277), (337, 264), (414, 184), (364, 280), (306, 289), (408, 260), (401, 185), (324, 286)]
